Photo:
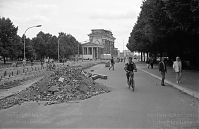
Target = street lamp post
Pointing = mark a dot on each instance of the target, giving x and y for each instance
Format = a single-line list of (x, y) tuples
[(25, 40)]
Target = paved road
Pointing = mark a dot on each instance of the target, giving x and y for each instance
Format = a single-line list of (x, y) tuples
[(150, 106)]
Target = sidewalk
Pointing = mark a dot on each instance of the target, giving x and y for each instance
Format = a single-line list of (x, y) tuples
[(189, 83)]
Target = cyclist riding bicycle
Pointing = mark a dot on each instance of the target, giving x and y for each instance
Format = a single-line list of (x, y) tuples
[(130, 68)]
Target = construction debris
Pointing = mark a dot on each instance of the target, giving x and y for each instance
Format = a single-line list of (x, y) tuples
[(61, 85)]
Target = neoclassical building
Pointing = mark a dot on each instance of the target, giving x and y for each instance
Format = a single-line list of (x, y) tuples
[(100, 42)]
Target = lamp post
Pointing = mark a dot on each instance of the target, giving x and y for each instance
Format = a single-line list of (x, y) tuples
[(25, 41)]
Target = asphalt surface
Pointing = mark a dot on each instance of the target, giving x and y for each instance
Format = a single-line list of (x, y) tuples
[(150, 106)]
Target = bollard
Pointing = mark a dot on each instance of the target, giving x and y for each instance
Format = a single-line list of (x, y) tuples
[(5, 73)]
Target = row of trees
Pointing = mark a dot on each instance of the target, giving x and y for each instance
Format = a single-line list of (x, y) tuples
[(167, 28), (39, 47)]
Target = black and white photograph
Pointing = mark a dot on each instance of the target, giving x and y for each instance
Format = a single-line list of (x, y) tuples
[(99, 64)]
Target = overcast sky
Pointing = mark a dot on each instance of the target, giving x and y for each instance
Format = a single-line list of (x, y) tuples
[(75, 17)]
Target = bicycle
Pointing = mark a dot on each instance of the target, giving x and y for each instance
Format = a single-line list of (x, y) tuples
[(131, 80)]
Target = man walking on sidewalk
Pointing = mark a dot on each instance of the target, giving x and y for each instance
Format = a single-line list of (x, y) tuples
[(177, 66), (163, 70), (112, 64)]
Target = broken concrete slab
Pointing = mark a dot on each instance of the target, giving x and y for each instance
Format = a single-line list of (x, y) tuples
[(95, 75), (61, 79)]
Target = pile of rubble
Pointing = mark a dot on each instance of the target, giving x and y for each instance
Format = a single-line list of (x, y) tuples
[(62, 85)]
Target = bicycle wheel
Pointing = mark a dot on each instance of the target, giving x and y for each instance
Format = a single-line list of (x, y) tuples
[(129, 83), (132, 84)]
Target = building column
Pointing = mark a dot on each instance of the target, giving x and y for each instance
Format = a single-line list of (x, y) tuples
[(97, 52), (82, 50), (93, 52)]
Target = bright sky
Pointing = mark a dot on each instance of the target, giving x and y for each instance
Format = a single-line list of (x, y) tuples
[(75, 17)]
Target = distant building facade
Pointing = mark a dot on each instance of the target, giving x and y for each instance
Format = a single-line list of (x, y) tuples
[(100, 42), (115, 52), (128, 53), (121, 54)]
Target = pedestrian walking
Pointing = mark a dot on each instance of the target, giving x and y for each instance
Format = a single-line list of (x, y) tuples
[(53, 66), (163, 70), (42, 63), (31, 61), (177, 66), (48, 64), (151, 61), (112, 64), (24, 62), (147, 63), (124, 59), (17, 63)]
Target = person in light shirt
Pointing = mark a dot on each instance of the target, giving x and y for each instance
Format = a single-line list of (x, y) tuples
[(177, 66)]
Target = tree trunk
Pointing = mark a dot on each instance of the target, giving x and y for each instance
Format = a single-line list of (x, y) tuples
[(141, 56), (147, 56)]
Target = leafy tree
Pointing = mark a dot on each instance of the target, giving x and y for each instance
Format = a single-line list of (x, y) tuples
[(39, 46), (68, 45), (167, 28), (17, 48), (52, 47), (46, 45), (29, 50), (8, 39)]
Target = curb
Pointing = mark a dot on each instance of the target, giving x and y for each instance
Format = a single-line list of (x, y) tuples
[(185, 90)]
